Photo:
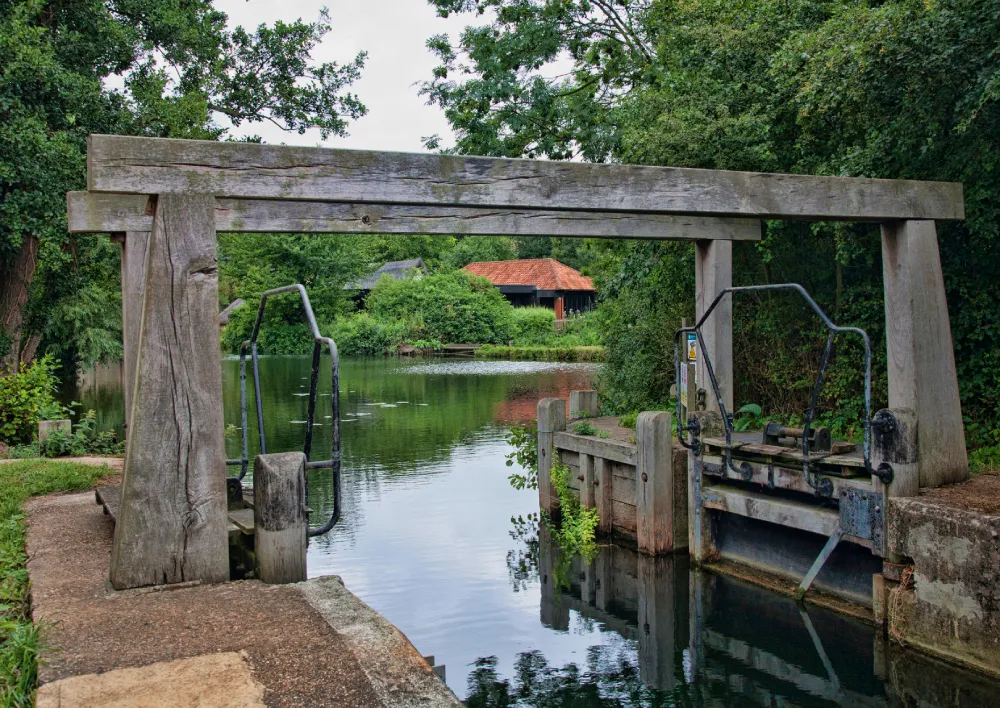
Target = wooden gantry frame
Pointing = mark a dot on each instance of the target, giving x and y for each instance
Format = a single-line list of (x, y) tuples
[(166, 200)]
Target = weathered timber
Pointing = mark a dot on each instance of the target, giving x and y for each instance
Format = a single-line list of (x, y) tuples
[(603, 494), (598, 447), (797, 515), (163, 166), (551, 419), (659, 524), (172, 523), (921, 357), (701, 542), (98, 212), (588, 498), (281, 522), (713, 264), (135, 250), (784, 477), (583, 404)]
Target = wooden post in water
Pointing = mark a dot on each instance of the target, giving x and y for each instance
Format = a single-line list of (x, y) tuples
[(551, 419), (921, 357), (281, 523), (171, 527), (659, 518), (583, 404)]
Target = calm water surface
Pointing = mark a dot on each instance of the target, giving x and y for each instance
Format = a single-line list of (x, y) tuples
[(435, 539)]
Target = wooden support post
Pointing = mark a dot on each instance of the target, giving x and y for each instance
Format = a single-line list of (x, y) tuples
[(701, 545), (604, 582), (281, 523), (551, 419), (602, 494), (921, 358), (583, 404), (658, 519), (588, 497), (713, 263), (135, 248), (658, 615), (171, 527)]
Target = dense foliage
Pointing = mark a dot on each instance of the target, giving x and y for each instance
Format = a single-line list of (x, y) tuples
[(140, 67), (881, 88), (27, 397), (450, 307)]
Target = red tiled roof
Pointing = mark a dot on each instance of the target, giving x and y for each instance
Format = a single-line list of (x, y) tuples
[(543, 273)]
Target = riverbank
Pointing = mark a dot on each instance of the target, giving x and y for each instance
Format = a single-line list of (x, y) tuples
[(541, 353)]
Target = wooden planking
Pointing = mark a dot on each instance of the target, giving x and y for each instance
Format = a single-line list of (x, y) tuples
[(921, 358), (623, 517), (97, 212), (624, 490), (167, 166), (790, 479), (598, 447), (172, 525), (797, 515)]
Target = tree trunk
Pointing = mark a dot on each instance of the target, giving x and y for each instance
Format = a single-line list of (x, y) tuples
[(16, 276)]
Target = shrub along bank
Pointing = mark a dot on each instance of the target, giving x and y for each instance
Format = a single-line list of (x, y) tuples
[(425, 312)]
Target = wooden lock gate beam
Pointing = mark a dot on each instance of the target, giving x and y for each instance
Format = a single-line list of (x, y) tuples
[(171, 196)]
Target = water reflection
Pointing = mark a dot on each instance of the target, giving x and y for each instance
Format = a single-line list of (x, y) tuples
[(697, 638), (435, 539)]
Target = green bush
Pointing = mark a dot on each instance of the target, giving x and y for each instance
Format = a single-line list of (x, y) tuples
[(277, 335), (27, 397), (83, 440), (454, 307), (361, 334), (533, 325)]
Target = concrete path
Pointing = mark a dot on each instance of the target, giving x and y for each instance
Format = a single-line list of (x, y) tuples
[(233, 644)]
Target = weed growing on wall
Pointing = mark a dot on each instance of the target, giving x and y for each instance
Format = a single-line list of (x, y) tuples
[(577, 528)]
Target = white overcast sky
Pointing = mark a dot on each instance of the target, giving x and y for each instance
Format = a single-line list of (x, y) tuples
[(394, 33)]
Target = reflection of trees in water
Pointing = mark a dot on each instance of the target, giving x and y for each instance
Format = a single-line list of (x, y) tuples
[(610, 678), (522, 560)]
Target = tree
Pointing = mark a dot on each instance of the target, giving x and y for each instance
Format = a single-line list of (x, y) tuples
[(880, 88), (142, 67)]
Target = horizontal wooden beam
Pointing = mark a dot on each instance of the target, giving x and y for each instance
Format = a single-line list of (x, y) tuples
[(249, 170), (784, 512), (587, 445), (98, 212)]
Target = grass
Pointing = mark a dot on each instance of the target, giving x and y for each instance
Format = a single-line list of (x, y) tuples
[(540, 353), (20, 639)]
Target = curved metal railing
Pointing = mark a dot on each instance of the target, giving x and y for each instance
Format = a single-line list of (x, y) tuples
[(822, 486), (319, 342)]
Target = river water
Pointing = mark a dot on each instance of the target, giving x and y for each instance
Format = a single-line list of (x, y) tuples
[(434, 537)]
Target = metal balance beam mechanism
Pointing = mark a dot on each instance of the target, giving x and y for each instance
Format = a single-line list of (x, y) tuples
[(793, 477)]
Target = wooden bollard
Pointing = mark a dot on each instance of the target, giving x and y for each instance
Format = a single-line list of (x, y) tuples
[(551, 419), (583, 404), (660, 521), (281, 523)]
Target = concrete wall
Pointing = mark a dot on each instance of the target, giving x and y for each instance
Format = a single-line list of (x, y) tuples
[(952, 606)]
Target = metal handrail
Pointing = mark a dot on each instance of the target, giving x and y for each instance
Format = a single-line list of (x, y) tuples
[(822, 487), (319, 342)]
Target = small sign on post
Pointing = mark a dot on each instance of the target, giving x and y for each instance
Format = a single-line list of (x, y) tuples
[(687, 387)]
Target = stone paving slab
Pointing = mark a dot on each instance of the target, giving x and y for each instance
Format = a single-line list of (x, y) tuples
[(216, 680), (289, 647)]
